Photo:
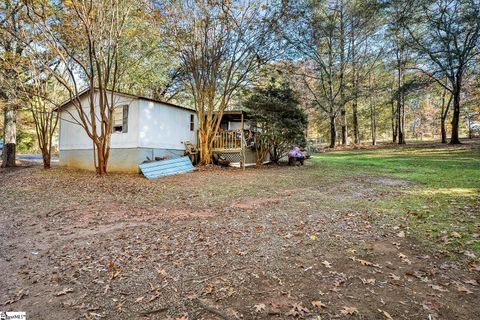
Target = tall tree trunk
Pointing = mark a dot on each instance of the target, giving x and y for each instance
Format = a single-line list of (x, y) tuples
[(373, 124), (400, 120), (394, 122), (343, 114), (333, 132), (46, 156), (101, 160), (443, 130), (356, 131), (204, 147), (373, 120), (456, 114), (445, 106), (400, 106), (10, 137)]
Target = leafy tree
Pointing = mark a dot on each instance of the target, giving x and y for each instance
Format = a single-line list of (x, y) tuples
[(276, 112), (445, 35), (316, 31), (43, 95), (221, 43), (92, 40), (13, 42)]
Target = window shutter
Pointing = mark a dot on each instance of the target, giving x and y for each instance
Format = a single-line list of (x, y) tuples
[(125, 119), (112, 116)]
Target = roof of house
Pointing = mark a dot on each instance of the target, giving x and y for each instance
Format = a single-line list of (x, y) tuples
[(85, 91)]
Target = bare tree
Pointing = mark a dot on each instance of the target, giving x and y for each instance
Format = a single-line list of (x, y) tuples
[(220, 44), (42, 96)]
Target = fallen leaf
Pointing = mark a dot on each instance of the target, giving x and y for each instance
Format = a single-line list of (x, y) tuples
[(394, 277), (64, 291), (365, 262), (386, 314), (401, 234), (349, 311), (438, 288), (368, 281), (111, 266), (461, 288), (472, 282), (318, 304), (326, 264), (94, 314), (275, 309), (208, 289), (297, 310), (404, 258), (472, 265), (455, 234), (139, 299), (260, 307)]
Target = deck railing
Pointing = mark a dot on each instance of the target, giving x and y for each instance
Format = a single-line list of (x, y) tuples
[(228, 140)]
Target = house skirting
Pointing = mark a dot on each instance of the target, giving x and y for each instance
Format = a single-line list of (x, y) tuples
[(120, 160), (235, 157)]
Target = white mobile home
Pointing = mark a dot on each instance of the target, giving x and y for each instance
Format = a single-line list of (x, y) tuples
[(142, 127)]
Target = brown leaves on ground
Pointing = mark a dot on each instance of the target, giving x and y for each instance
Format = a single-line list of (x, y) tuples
[(318, 304), (350, 311), (260, 307), (385, 314), (298, 310), (438, 288), (365, 262), (462, 288), (209, 288), (404, 258), (241, 261), (327, 264), (474, 265), (472, 282), (64, 292), (394, 277), (370, 281)]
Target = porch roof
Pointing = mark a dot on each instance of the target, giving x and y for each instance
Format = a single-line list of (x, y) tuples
[(233, 115)]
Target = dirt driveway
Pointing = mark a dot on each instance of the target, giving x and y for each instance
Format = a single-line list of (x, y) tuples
[(273, 243)]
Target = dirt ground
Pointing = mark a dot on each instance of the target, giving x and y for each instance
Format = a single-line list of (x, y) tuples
[(272, 243)]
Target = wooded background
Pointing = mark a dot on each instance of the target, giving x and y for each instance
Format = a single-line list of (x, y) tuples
[(363, 70)]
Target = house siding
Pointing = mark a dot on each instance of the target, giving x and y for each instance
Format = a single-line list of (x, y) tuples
[(72, 136), (164, 127), (154, 130), (120, 160)]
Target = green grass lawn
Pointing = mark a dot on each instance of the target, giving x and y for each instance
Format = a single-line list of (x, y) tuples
[(441, 204)]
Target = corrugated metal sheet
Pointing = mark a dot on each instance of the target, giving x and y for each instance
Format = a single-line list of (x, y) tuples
[(163, 168)]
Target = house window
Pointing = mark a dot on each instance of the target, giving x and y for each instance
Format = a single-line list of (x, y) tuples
[(120, 119), (192, 122)]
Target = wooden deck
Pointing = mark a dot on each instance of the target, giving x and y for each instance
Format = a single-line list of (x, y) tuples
[(228, 140)]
